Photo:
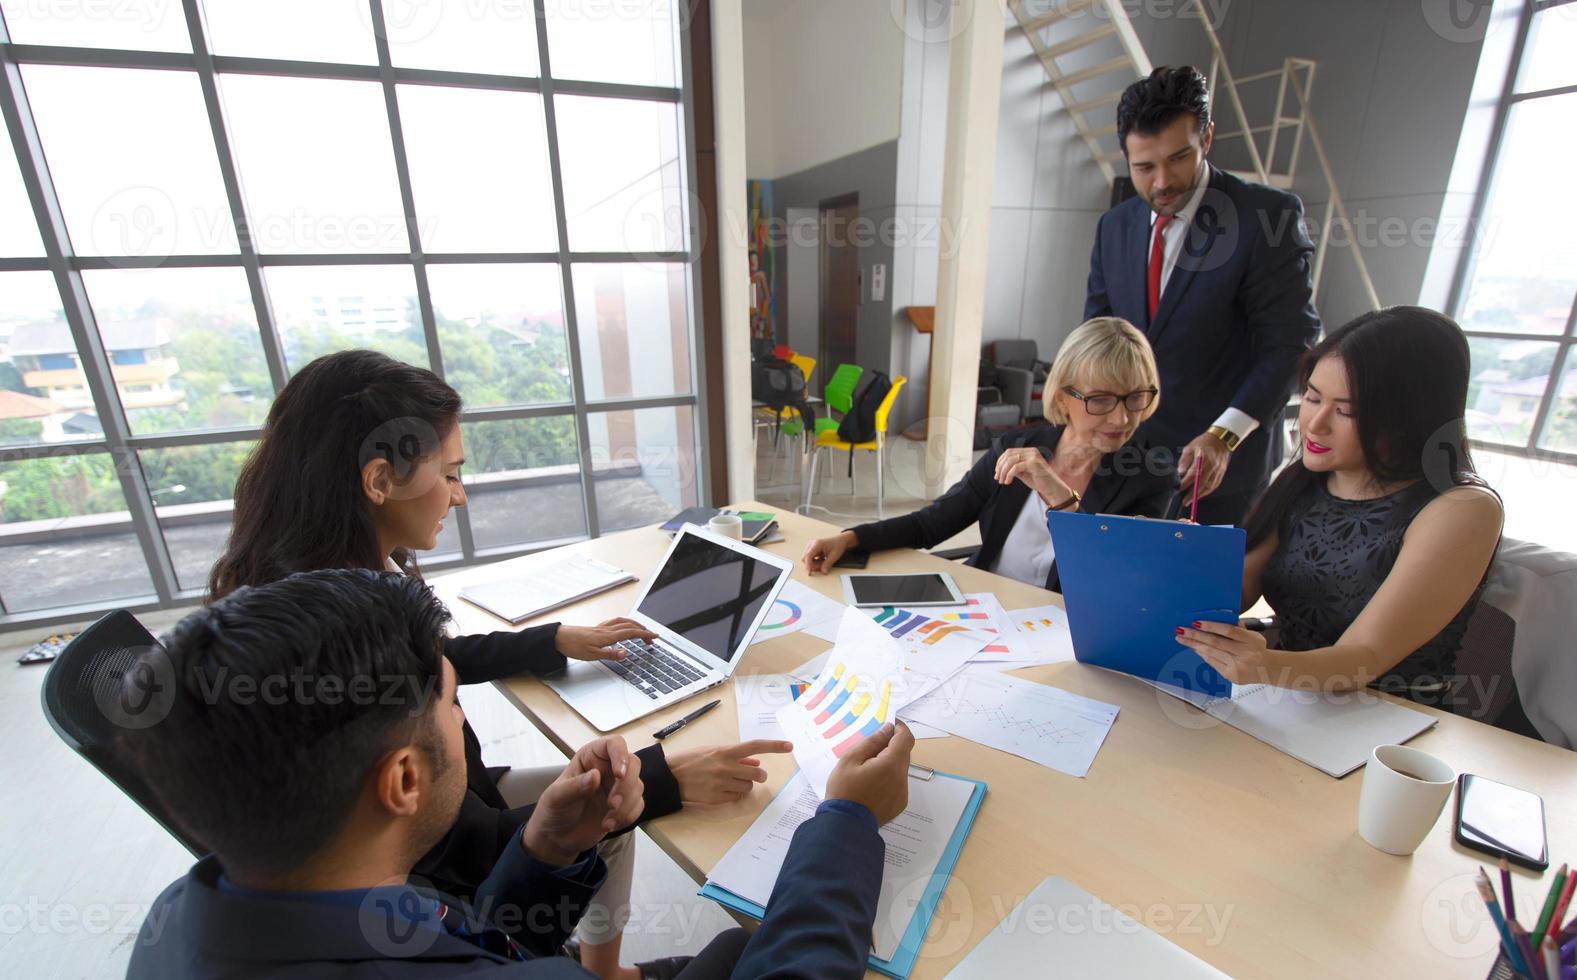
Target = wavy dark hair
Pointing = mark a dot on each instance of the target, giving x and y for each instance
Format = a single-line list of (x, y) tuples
[(1407, 374), (1153, 102), (299, 504)]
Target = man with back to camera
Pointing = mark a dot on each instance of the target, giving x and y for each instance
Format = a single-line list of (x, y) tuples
[(316, 805), (1216, 272)]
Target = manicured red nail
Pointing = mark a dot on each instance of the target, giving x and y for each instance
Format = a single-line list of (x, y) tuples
[(1179, 631), (1198, 625)]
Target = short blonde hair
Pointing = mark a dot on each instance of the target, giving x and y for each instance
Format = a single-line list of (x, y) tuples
[(1106, 353)]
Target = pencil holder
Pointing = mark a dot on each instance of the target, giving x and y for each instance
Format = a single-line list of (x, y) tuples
[(1502, 969)]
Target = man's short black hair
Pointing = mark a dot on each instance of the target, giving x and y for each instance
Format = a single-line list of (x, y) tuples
[(286, 695), (1151, 104)]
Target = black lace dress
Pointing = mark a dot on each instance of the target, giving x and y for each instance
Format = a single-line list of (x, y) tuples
[(1332, 556)]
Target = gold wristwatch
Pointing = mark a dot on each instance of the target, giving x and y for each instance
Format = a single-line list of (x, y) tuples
[(1072, 503), (1228, 438)]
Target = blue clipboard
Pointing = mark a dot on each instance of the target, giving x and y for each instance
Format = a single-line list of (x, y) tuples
[(914, 937), (1129, 582)]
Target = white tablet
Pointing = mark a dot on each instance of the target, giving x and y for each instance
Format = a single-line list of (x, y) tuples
[(925, 589)]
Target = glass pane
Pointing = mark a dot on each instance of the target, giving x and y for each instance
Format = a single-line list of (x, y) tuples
[(634, 333), (1525, 272), (463, 35), (522, 481), (479, 169), (633, 41), (44, 395), (19, 232), (132, 157), (623, 179), (304, 30), (191, 488), (317, 164), (501, 328), (183, 346), (1504, 390), (1560, 432), (1547, 61), (644, 465), (65, 535), (322, 309), (142, 25)]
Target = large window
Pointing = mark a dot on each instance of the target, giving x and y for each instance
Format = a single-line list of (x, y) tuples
[(498, 192), (1518, 295)]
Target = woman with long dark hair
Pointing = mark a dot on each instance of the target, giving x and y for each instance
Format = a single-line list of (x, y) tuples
[(1374, 544), (358, 464)]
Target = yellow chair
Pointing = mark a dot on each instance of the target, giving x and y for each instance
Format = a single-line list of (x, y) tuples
[(828, 439)]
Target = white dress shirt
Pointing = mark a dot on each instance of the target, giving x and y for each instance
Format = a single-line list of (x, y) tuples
[(1027, 553), (1172, 237)]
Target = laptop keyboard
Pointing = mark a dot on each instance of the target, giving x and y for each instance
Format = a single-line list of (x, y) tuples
[(652, 669)]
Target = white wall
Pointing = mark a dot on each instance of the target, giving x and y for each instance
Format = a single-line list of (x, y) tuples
[(822, 81)]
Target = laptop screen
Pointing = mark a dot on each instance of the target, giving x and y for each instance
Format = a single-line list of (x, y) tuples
[(709, 594)]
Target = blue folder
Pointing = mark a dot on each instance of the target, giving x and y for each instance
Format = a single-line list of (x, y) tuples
[(909, 946), (1129, 582)]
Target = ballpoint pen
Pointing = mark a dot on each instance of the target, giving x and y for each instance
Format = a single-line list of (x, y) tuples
[(687, 719)]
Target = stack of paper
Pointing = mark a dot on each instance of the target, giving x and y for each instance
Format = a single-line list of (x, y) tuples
[(518, 599), (922, 846), (1333, 732)]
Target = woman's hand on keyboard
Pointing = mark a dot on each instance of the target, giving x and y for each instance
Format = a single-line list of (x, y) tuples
[(721, 773), (597, 642)]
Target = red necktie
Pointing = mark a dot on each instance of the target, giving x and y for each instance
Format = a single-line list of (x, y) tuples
[(1157, 247)]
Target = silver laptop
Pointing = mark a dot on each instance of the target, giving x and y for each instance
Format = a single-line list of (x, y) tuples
[(705, 602)]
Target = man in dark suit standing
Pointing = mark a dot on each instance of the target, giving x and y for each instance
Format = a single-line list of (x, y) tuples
[(312, 739), (1216, 272)]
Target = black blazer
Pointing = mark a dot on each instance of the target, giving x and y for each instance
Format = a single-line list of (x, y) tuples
[(1235, 316), (1136, 480), (486, 824), (818, 922)]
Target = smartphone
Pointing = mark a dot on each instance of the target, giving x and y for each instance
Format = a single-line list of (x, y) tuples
[(853, 558), (1502, 821)]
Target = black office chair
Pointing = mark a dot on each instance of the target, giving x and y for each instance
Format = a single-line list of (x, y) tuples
[(81, 694)]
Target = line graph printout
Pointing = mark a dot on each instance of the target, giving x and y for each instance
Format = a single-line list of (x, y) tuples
[(1048, 725)]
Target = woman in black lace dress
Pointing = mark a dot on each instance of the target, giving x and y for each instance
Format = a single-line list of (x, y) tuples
[(1373, 545)]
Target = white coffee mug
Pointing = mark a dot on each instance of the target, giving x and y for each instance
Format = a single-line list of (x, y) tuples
[(728, 526), (1403, 793)]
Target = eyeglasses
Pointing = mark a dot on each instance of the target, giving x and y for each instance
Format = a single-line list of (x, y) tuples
[(1103, 403)]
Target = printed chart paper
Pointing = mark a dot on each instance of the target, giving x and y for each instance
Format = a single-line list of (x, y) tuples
[(1048, 725), (797, 607), (758, 698)]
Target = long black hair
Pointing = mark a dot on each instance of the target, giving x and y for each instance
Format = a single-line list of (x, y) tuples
[(299, 504), (1407, 374)]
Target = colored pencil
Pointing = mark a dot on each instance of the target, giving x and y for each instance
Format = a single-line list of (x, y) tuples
[(1531, 965), (1562, 903), (1536, 937), (1505, 889), (1193, 510), (1487, 893), (1552, 960)]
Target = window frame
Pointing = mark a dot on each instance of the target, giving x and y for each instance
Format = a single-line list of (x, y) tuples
[(96, 363)]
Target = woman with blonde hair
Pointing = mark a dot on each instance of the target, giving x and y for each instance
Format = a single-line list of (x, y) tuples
[(1102, 385)]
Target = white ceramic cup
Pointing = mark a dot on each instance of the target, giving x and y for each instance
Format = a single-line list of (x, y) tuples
[(728, 526), (1403, 793)]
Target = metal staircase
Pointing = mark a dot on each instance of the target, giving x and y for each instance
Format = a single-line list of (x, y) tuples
[(1090, 53)]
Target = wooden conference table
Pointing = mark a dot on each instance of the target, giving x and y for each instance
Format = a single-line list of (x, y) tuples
[(1237, 853)]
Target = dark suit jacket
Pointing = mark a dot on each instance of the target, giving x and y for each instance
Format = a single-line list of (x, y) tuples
[(486, 824), (1233, 319), (1137, 480), (818, 922)]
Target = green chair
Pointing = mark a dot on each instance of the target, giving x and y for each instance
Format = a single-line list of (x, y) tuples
[(839, 395)]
